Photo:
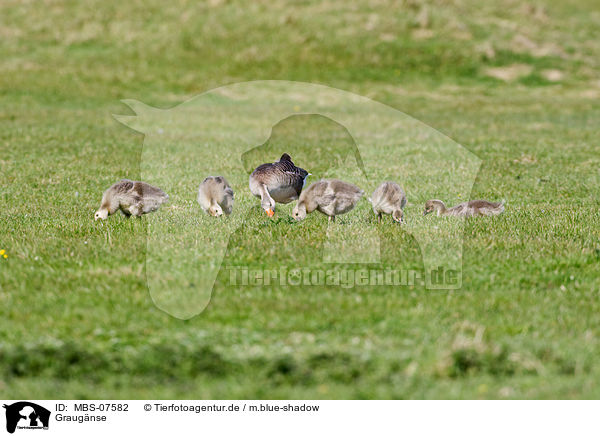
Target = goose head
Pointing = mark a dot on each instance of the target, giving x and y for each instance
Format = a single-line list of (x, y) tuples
[(215, 210), (398, 215), (268, 205), (299, 212), (101, 214), (434, 205)]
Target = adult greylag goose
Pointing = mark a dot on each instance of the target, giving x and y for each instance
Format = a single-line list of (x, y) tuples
[(132, 198), (331, 197), (467, 209), (215, 196), (389, 198), (277, 182)]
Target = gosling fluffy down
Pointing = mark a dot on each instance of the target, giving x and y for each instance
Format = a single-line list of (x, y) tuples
[(132, 198), (467, 209), (389, 198), (215, 196), (331, 197)]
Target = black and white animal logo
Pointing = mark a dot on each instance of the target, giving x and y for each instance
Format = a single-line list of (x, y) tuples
[(26, 415)]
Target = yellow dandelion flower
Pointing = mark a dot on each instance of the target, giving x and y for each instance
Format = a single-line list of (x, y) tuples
[(6, 256), (2, 252)]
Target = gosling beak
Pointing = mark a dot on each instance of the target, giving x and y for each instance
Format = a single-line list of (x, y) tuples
[(424, 212), (270, 212)]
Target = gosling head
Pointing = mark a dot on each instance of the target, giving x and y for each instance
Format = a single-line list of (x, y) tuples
[(398, 216), (101, 214), (299, 212), (215, 210), (268, 205), (433, 205)]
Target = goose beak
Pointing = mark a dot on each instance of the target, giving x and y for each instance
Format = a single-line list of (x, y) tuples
[(270, 212), (424, 212)]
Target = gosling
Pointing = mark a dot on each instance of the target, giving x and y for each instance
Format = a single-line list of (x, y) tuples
[(215, 196), (389, 198), (132, 198), (467, 209), (331, 197)]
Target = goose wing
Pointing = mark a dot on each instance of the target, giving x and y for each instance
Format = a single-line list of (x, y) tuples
[(290, 174), (462, 209), (280, 175), (488, 208)]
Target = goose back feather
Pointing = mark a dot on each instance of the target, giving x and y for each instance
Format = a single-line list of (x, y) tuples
[(282, 179)]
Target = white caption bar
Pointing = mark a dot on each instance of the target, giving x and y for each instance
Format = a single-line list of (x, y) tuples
[(299, 417)]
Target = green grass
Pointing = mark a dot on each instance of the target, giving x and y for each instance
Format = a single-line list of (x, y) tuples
[(77, 318)]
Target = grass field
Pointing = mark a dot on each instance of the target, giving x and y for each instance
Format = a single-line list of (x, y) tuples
[(514, 83)]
